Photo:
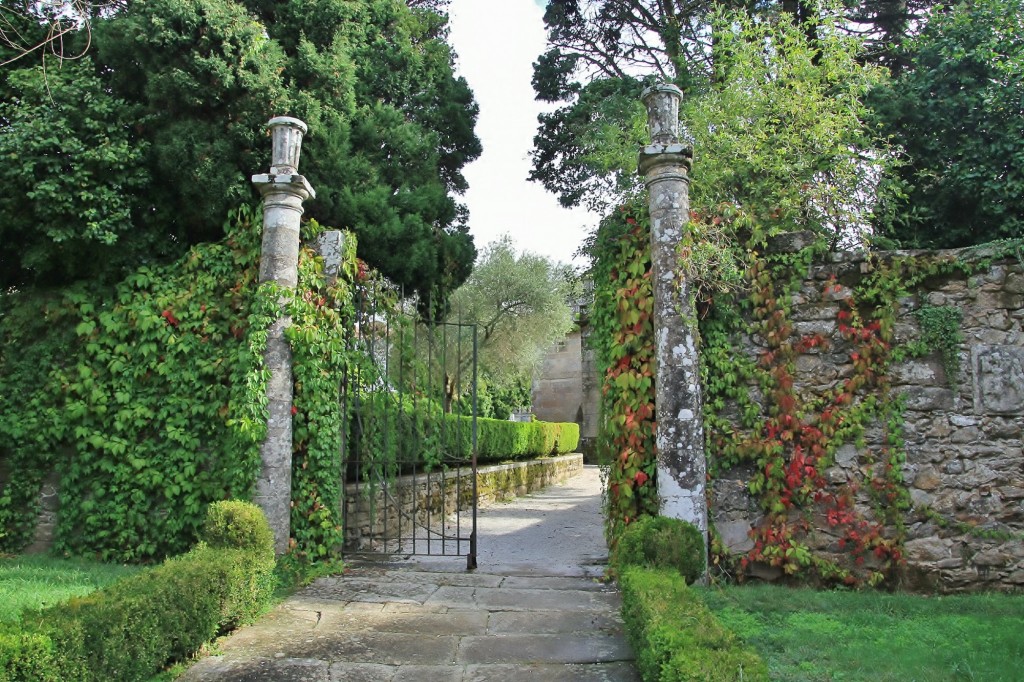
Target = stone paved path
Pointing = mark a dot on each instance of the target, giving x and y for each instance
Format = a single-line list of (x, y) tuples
[(532, 611)]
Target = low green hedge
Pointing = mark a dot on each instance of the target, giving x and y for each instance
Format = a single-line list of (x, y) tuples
[(401, 430), (675, 637), (134, 628), (661, 542)]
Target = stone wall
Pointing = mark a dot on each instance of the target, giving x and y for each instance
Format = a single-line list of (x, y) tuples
[(964, 464), (371, 520), (567, 387), (557, 391)]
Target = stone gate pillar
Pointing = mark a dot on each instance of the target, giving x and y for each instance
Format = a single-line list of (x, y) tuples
[(283, 191), (665, 166)]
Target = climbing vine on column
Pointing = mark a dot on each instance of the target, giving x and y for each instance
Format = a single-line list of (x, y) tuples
[(623, 334), (322, 315)]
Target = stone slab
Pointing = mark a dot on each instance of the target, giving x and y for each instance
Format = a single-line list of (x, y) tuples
[(372, 591), (552, 583), (429, 673), (387, 648), (998, 379), (532, 649), (545, 600), (554, 622), (592, 672), (258, 670), (464, 622), (362, 672)]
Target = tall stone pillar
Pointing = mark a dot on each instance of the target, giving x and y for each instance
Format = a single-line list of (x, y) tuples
[(665, 166), (283, 191)]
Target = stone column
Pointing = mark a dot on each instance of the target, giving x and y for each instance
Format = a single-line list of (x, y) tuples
[(283, 192), (665, 166), (330, 244)]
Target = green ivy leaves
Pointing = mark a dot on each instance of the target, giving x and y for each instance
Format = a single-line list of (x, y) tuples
[(623, 338)]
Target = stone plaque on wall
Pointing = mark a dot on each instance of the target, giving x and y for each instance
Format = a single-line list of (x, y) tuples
[(998, 379)]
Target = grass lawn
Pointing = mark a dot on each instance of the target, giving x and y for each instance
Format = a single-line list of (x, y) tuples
[(814, 636), (35, 581)]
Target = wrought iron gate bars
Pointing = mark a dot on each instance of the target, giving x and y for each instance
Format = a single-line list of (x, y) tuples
[(373, 477)]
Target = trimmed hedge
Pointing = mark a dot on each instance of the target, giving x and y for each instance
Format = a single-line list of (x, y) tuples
[(134, 628), (396, 429), (676, 638), (661, 542)]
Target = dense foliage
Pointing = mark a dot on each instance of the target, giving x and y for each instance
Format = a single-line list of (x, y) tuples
[(602, 52), (781, 140), (130, 154), (102, 387), (663, 543), (957, 113), (149, 402), (622, 335), (947, 94), (398, 434)]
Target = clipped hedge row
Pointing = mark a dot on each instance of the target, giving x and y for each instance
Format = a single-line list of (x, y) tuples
[(134, 628), (403, 431), (675, 637), (498, 439)]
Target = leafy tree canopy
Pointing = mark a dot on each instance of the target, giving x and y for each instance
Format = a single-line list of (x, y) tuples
[(958, 113), (781, 138), (185, 87), (521, 302), (601, 53)]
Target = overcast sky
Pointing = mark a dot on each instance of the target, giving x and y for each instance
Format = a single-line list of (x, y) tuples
[(497, 42)]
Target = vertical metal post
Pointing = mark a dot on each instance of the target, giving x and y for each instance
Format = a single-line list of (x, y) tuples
[(471, 557), (283, 192), (665, 166)]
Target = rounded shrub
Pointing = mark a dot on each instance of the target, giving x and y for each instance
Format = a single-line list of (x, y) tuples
[(661, 542), (236, 524)]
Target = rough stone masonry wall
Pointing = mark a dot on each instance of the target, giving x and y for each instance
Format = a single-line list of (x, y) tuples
[(964, 462)]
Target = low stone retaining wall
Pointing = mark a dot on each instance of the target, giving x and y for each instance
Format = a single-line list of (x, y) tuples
[(372, 517)]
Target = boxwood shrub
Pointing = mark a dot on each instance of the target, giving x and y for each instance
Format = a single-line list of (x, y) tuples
[(674, 635), (661, 542), (134, 628)]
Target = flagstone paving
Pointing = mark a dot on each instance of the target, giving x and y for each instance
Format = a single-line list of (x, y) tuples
[(534, 610)]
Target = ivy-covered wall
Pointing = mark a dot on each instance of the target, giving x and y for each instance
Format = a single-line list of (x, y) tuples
[(865, 418), (125, 413)]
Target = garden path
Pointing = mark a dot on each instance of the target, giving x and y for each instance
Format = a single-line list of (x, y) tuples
[(534, 610)]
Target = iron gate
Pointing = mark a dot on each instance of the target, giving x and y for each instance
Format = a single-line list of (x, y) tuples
[(411, 459)]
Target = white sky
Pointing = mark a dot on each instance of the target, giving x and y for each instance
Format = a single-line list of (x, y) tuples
[(497, 42)]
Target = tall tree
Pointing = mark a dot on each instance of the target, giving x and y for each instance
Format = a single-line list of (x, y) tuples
[(782, 140), (886, 26), (521, 303), (70, 165), (602, 52), (958, 112), (391, 128)]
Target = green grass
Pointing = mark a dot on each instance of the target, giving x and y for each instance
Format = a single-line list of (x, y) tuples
[(813, 636), (28, 582)]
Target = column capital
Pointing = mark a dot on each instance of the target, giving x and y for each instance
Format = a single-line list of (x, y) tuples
[(653, 156), (291, 183)]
